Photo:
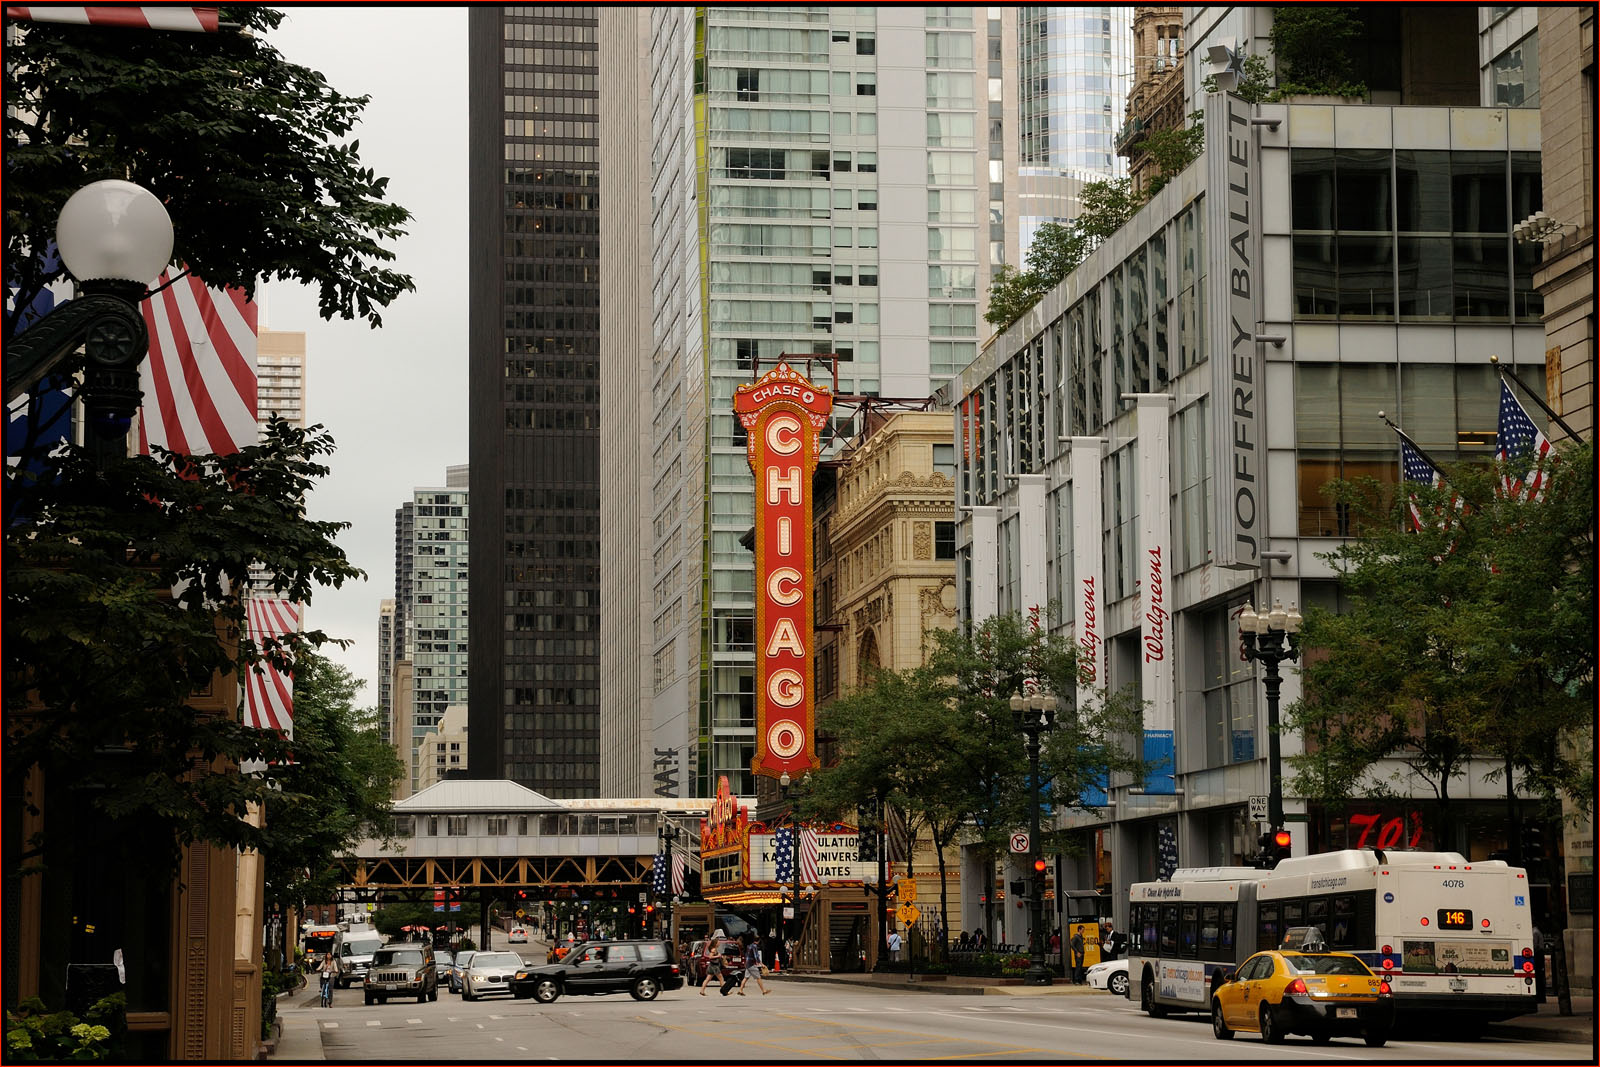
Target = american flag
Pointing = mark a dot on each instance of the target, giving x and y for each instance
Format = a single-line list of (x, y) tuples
[(679, 873), (1414, 468), (1522, 449), (45, 412), (783, 855), (269, 693), (200, 380), (658, 875), (163, 17)]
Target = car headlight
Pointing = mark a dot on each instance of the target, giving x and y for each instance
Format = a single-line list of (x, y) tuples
[(521, 975)]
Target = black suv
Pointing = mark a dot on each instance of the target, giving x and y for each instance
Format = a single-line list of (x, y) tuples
[(402, 970), (641, 968)]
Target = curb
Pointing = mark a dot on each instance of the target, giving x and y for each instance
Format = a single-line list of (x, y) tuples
[(948, 989), (1572, 1035)]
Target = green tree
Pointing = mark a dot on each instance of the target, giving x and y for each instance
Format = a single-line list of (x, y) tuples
[(939, 742), (250, 153), (1473, 637), (119, 584), (1314, 48), (334, 793), (1172, 151), (1059, 247)]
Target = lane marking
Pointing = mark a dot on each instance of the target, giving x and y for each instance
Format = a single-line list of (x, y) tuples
[(452, 1018), (330, 1026), (374, 1022), (414, 1022)]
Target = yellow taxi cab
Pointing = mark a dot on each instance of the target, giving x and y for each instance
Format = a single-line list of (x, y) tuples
[(1321, 994)]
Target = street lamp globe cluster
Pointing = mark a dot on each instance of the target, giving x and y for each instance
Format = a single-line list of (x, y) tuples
[(1034, 713), (1269, 638)]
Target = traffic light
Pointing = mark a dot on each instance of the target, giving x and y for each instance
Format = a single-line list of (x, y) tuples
[(1039, 865), (1532, 842), (1275, 845)]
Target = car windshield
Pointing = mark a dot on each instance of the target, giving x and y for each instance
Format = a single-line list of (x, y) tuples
[(399, 956), (464, 958), (443, 957), (1326, 965), (496, 959)]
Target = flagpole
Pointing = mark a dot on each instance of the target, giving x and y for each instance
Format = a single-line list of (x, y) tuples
[(1507, 372), (1407, 439)]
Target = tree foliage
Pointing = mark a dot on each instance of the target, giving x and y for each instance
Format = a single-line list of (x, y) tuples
[(940, 744), (1059, 247), (250, 153), (335, 792), (1474, 637), (1314, 47), (124, 594)]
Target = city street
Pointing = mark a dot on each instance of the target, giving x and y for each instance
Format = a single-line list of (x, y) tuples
[(827, 1021)]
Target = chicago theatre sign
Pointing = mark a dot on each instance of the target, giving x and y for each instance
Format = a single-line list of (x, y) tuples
[(783, 415)]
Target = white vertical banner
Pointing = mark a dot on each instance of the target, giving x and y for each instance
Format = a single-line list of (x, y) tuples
[(1088, 565), (1154, 413)]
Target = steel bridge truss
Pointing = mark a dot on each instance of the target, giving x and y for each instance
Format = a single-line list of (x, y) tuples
[(495, 872)]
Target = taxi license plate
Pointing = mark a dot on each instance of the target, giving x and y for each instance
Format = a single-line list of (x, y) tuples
[(1346, 1013), (391, 985)]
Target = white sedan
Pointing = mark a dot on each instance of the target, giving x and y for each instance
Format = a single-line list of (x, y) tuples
[(489, 973), (1112, 975), (517, 936)]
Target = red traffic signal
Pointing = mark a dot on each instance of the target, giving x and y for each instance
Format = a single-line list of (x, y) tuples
[(1039, 865), (1282, 838)]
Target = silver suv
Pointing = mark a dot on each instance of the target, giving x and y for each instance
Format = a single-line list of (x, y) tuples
[(406, 969)]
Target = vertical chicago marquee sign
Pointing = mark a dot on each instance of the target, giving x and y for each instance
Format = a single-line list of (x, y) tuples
[(783, 415)]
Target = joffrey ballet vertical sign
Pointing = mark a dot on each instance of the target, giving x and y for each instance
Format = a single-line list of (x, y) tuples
[(783, 415)]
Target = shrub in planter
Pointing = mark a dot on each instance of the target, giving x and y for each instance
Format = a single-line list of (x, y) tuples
[(34, 1034)]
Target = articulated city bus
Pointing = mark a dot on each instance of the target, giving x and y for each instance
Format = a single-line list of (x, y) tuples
[(1450, 936)]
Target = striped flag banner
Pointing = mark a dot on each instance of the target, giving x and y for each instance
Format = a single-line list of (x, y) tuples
[(1522, 449), (268, 692), (163, 17), (200, 380), (808, 856), (678, 874)]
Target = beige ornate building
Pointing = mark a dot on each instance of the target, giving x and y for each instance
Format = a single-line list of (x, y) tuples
[(1155, 100), (891, 542)]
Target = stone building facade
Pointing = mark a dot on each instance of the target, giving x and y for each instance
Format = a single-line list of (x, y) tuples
[(1155, 100)]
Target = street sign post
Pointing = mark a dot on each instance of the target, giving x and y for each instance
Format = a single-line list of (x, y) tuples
[(1258, 809), (906, 889), (908, 913), (1019, 842)]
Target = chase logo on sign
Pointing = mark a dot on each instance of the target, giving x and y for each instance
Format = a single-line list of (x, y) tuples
[(1519, 902), (1388, 898)]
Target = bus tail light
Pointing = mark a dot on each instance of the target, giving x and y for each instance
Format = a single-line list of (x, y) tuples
[(1383, 989), (1527, 965), (1424, 920), (1296, 988), (1388, 964), (1527, 952), (1388, 949)]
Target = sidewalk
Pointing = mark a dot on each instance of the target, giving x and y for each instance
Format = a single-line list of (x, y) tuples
[(1548, 1025)]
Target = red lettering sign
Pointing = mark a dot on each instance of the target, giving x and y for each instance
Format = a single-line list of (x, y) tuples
[(783, 415), (1391, 832), (1155, 637), (1089, 642)]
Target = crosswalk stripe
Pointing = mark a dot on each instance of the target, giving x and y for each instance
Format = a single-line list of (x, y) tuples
[(414, 1022), (374, 1022), (330, 1026)]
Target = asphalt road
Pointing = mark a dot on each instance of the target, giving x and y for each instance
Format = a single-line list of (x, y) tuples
[(824, 1021)]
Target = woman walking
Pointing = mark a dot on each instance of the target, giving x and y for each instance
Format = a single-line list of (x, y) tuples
[(713, 961), (753, 967)]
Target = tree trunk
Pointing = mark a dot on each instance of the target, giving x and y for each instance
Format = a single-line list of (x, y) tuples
[(944, 902)]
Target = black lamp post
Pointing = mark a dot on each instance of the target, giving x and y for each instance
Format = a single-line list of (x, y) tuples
[(114, 238), (1035, 714), (1270, 638), (784, 781), (668, 833)]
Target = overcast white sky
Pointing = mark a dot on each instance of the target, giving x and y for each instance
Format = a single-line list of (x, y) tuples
[(395, 399)]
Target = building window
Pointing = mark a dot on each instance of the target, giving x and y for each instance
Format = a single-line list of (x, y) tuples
[(1229, 689), (433, 826), (405, 825), (944, 534), (497, 825), (866, 44), (1516, 74), (455, 826)]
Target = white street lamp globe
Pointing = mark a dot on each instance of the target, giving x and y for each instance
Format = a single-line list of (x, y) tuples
[(114, 230)]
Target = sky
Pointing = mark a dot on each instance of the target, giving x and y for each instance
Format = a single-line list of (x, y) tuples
[(394, 399)]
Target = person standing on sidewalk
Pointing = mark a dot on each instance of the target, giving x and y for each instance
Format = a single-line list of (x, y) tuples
[(894, 945), (1077, 956)]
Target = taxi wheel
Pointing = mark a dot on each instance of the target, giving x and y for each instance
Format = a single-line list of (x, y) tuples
[(1218, 1027), (1271, 1032), (1321, 1037), (1376, 1038)]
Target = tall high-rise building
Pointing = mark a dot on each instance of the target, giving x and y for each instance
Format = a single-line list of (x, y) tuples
[(817, 188), (281, 376), (386, 657), (436, 643), (627, 756), (533, 384)]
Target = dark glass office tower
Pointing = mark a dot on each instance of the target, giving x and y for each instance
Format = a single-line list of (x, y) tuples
[(533, 695)]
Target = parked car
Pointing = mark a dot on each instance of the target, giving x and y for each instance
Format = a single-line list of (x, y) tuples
[(1112, 975), (489, 973), (517, 936), (694, 968), (1322, 994), (445, 962), (402, 970), (459, 968), (643, 969)]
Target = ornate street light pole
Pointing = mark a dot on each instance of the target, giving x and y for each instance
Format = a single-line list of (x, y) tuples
[(1270, 638), (1035, 714)]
